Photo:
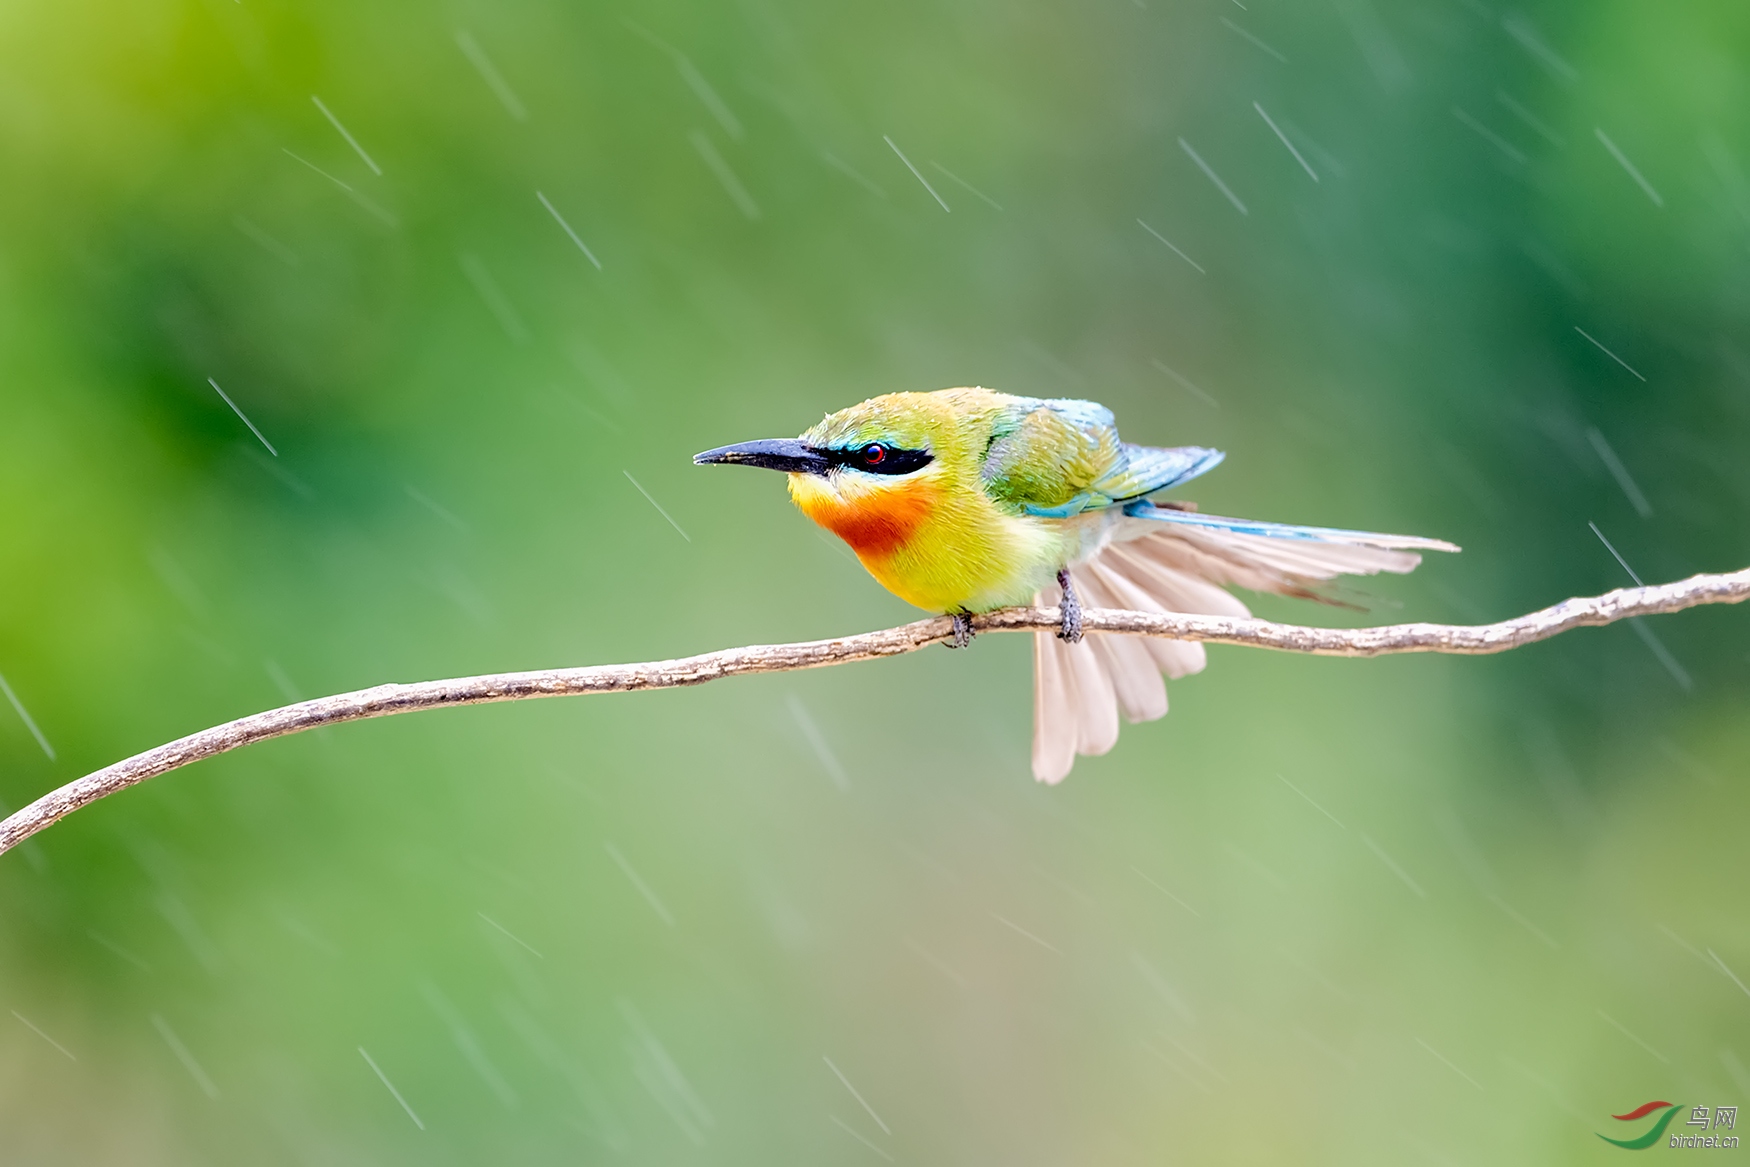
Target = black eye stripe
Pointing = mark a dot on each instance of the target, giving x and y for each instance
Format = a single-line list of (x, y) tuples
[(880, 458)]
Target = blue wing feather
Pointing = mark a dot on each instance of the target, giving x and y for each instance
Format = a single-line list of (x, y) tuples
[(1151, 468), (1145, 470)]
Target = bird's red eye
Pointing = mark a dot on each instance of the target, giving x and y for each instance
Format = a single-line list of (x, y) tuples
[(874, 454)]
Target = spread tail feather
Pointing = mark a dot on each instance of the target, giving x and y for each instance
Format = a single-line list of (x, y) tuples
[(1172, 566), (1147, 511)]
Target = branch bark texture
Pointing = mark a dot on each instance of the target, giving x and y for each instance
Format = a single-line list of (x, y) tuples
[(387, 700)]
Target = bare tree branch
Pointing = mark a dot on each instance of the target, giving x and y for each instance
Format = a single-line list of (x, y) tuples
[(386, 700)]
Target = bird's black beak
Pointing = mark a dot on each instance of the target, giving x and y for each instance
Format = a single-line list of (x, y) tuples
[(787, 454)]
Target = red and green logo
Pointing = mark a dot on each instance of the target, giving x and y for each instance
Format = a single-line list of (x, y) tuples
[(1654, 1134)]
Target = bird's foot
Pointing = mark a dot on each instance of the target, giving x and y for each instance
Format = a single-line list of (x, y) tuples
[(1071, 607), (962, 629)]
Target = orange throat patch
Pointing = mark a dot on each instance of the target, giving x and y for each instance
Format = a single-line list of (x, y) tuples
[(875, 524)]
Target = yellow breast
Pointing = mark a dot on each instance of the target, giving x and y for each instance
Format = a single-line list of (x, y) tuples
[(931, 541)]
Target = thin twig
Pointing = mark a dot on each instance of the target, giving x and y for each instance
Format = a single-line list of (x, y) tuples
[(386, 700)]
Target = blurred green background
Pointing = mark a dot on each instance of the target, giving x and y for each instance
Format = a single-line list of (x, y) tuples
[(1396, 911)]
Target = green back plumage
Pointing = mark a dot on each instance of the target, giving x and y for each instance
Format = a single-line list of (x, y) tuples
[(1057, 457), (1040, 456)]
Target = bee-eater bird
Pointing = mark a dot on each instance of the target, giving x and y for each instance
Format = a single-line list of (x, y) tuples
[(968, 500)]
